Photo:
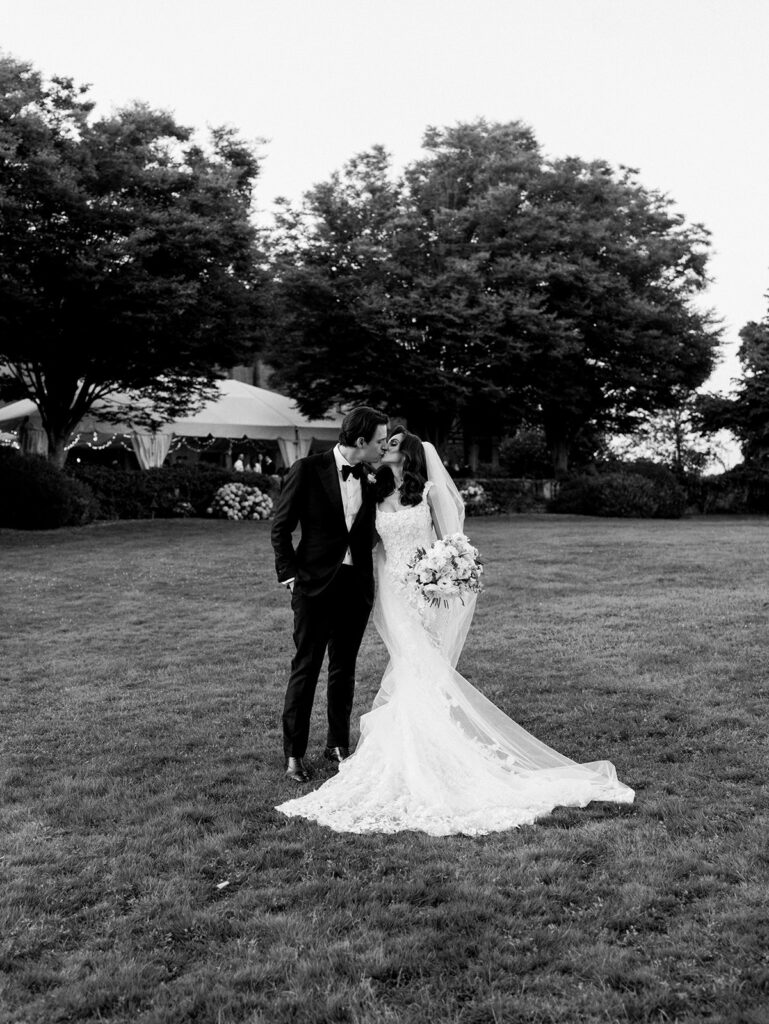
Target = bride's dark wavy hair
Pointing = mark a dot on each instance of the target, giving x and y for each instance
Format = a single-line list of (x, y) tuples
[(414, 470)]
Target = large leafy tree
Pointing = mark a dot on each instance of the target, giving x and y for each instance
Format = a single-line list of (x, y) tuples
[(334, 269), (384, 295), (499, 287), (128, 261), (746, 414), (620, 272)]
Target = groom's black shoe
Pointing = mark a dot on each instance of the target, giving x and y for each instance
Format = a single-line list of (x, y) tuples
[(337, 754), (296, 770)]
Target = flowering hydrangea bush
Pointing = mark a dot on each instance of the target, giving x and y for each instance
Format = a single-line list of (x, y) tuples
[(473, 494), (239, 501), (477, 500), (451, 568)]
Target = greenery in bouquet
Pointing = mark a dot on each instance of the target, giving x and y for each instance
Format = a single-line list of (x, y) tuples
[(239, 501), (450, 568)]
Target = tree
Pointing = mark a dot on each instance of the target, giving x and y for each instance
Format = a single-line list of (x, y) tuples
[(333, 266), (746, 414), (499, 287), (592, 276), (382, 300), (619, 271), (674, 437), (127, 258)]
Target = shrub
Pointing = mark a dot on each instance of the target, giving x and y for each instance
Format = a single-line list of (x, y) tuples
[(472, 493), (525, 454), (669, 479), (239, 501), (510, 495), (164, 492), (477, 501), (646, 468), (497, 495), (741, 490), (621, 494), (122, 494), (37, 495)]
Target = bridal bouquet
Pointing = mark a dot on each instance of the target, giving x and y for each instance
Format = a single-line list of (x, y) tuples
[(451, 568)]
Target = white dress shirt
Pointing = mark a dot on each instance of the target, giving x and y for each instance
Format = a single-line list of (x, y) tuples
[(351, 496)]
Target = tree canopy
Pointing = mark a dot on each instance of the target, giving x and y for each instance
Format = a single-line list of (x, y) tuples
[(128, 261), (491, 285), (746, 414)]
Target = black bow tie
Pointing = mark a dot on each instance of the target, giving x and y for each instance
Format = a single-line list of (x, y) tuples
[(356, 471)]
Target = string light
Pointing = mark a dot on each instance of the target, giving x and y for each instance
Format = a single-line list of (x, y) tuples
[(195, 444), (122, 440), (116, 440)]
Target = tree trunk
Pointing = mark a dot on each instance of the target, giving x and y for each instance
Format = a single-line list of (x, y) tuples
[(558, 441), (57, 452), (560, 454)]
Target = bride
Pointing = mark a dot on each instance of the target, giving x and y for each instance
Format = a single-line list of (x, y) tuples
[(434, 754)]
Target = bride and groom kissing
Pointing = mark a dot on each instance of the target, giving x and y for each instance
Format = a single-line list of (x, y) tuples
[(434, 754)]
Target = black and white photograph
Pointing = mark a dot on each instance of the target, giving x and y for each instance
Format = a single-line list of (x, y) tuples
[(384, 512)]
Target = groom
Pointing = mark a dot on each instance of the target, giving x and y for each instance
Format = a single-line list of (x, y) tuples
[(330, 576)]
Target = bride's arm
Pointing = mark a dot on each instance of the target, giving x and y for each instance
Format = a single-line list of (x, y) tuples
[(434, 515)]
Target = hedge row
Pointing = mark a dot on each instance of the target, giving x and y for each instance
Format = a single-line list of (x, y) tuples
[(500, 495), (743, 490), (36, 495), (647, 489), (164, 492), (621, 495)]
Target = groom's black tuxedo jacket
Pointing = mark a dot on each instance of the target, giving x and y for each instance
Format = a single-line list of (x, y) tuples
[(312, 498)]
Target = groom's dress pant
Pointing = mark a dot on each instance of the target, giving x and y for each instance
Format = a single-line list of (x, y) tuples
[(334, 620)]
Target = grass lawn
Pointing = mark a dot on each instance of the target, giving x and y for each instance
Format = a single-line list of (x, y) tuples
[(145, 877)]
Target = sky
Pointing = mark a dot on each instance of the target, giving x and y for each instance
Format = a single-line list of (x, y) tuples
[(678, 89)]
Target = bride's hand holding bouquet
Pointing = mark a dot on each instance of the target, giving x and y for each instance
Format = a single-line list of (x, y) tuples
[(450, 568)]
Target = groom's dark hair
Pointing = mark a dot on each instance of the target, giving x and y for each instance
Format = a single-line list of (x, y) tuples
[(360, 422)]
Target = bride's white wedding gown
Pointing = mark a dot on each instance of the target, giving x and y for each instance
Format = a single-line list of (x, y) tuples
[(434, 754)]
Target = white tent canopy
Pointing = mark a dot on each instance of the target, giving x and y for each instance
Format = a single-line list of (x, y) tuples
[(241, 410)]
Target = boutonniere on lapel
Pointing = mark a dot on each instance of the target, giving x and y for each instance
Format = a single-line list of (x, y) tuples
[(368, 474)]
